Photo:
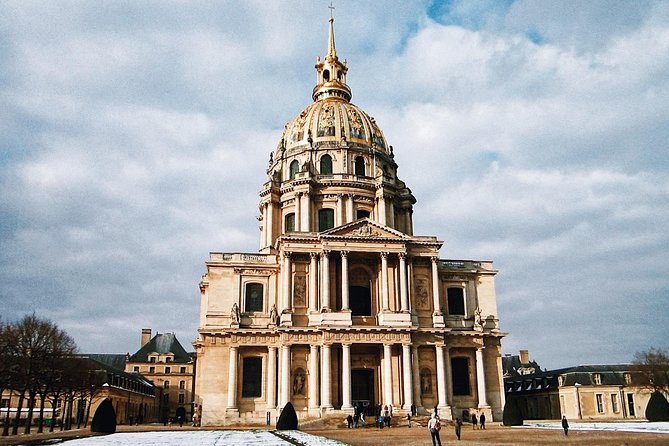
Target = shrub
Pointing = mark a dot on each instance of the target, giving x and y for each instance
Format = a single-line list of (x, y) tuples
[(512, 415), (657, 408)]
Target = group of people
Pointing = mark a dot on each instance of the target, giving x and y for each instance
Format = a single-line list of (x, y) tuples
[(434, 426)]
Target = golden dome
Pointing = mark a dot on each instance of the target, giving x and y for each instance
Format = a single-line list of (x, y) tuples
[(333, 122)]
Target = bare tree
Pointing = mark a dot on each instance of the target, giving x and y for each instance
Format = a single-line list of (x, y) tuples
[(34, 347), (653, 366)]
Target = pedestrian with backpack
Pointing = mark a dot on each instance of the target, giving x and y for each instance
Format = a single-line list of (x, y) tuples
[(434, 426)]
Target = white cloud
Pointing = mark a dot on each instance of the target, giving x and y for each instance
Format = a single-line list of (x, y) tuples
[(137, 136)]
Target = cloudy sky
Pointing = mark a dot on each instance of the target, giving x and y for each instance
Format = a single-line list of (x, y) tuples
[(134, 137)]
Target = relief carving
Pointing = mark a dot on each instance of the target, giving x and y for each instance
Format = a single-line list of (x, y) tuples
[(422, 293), (300, 291)]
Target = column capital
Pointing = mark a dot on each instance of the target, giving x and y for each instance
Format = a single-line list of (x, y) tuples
[(298, 194), (287, 254), (313, 255), (434, 259), (325, 253), (402, 255), (384, 255), (344, 253)]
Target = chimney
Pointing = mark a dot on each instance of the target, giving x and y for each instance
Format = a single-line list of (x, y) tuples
[(524, 356), (146, 336)]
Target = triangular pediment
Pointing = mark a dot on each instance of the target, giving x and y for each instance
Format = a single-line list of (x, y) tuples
[(364, 228)]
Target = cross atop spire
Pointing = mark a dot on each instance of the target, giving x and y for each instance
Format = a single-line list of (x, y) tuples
[(331, 8), (332, 52), (331, 73)]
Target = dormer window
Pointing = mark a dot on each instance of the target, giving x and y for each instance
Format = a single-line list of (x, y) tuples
[(597, 378), (560, 380), (628, 378)]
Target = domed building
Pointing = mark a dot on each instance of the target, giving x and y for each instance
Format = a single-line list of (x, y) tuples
[(343, 308)]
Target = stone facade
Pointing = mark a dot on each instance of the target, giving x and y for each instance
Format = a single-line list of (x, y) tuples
[(343, 305)]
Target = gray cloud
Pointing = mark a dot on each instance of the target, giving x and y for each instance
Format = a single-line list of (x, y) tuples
[(135, 138)]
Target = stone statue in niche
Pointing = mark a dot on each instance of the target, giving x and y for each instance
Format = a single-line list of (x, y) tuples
[(235, 314), (300, 291), (426, 383), (422, 294), (273, 315), (299, 380)]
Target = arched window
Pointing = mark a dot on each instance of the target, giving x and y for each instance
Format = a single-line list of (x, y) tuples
[(325, 219), (294, 168), (326, 164), (360, 213), (326, 75), (360, 166), (289, 223), (253, 297), (456, 301)]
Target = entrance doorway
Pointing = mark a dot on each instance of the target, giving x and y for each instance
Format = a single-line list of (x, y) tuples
[(362, 389)]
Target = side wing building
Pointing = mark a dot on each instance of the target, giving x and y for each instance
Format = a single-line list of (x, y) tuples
[(343, 306)]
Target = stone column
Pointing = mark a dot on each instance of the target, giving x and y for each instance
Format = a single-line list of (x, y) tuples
[(285, 376), (415, 370), (325, 377), (349, 209), (407, 220), (298, 214), (404, 296), (382, 210), (232, 378), (387, 374), (410, 280), (406, 376), (338, 212), (313, 376), (313, 282), (480, 378), (325, 280), (435, 286), (384, 282), (287, 276), (344, 281), (263, 234), (306, 212), (271, 377), (449, 375), (441, 376), (391, 214), (346, 377), (270, 223)]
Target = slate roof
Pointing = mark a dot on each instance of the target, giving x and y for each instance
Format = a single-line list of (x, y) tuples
[(162, 343), (116, 361), (511, 364), (611, 375)]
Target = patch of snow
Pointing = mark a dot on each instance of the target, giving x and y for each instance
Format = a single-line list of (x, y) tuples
[(637, 426), (177, 438)]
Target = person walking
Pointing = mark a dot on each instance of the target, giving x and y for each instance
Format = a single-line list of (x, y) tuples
[(474, 420), (409, 419), (434, 426), (565, 425), (482, 421), (458, 428)]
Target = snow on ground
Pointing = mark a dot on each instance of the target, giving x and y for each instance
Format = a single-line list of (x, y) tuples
[(641, 426), (206, 438)]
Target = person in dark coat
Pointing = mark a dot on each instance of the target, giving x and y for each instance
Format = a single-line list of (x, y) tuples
[(482, 421), (458, 428), (565, 425), (474, 420)]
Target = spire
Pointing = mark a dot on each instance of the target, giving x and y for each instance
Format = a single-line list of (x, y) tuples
[(331, 73), (332, 52)]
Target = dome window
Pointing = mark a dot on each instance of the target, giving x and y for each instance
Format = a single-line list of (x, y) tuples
[(294, 168), (326, 75), (289, 223), (360, 166), (326, 165), (325, 219)]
